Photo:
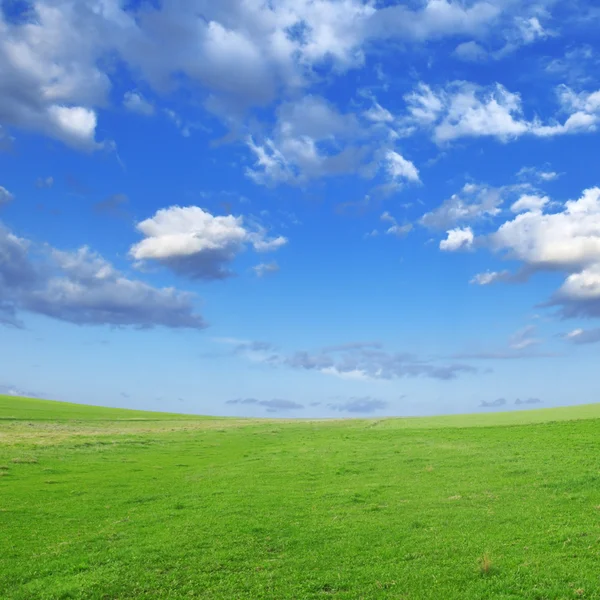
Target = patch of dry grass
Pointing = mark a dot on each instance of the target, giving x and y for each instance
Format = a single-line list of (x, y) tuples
[(486, 566)]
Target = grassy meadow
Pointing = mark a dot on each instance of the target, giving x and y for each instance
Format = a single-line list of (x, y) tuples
[(99, 503)]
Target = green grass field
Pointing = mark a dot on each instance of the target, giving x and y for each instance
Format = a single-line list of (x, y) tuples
[(101, 503)]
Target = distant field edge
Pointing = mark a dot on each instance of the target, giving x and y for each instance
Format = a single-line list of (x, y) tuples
[(15, 408)]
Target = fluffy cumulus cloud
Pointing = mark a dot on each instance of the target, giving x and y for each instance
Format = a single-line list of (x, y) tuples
[(467, 110), (435, 19), (49, 68), (530, 203), (458, 239), (82, 288), (193, 242), (579, 296), (57, 60), (399, 168), (567, 240), (312, 138)]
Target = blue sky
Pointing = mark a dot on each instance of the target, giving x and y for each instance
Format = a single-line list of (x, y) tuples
[(300, 207)]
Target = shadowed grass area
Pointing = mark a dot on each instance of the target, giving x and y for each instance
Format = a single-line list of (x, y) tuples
[(172, 506)]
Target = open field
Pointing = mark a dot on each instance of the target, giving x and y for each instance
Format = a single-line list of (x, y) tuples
[(103, 503)]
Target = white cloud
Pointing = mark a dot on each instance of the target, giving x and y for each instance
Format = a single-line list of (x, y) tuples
[(537, 174), (458, 239), (271, 166), (353, 375), (312, 139), (472, 203), (530, 29), (473, 113), (378, 114), (521, 31), (400, 230), (261, 243), (530, 202), (463, 109), (587, 102), (579, 122), (83, 288), (316, 118), (193, 242), (470, 52), (424, 106), (135, 102), (436, 19), (368, 361), (575, 66), (400, 168), (579, 295), (394, 229), (246, 51), (57, 65), (524, 338), (567, 241), (263, 269), (5, 196), (525, 31), (74, 125), (490, 277), (574, 334), (583, 336), (49, 68)]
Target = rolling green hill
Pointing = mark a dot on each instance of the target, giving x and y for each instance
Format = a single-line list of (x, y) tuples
[(31, 409), (99, 503)]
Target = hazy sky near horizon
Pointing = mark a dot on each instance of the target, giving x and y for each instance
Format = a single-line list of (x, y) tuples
[(300, 207)]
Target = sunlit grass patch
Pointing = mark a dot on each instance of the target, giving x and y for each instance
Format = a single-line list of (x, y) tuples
[(250, 509)]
